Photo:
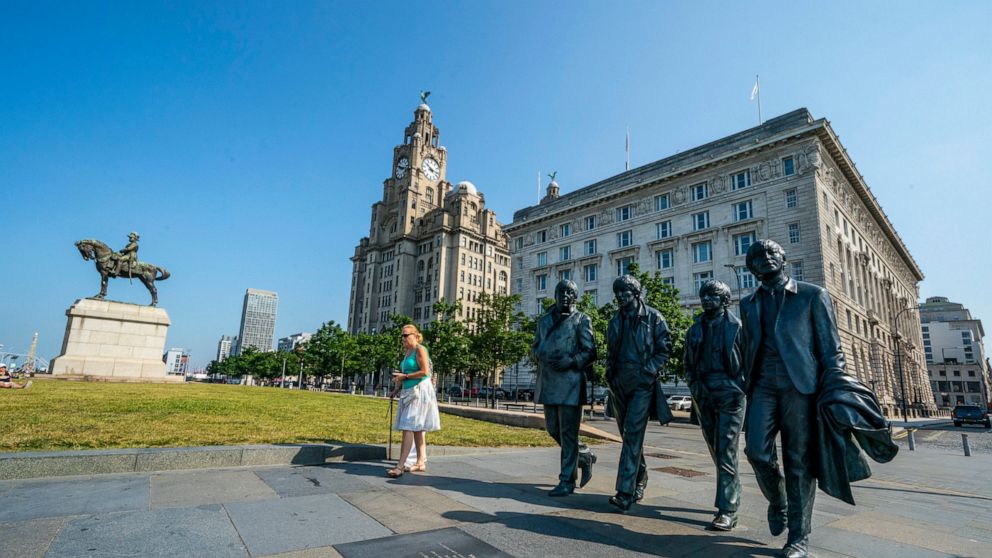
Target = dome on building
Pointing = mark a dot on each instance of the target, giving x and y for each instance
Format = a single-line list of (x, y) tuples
[(468, 188), (423, 106)]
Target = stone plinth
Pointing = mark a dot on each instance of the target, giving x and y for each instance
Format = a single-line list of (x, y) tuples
[(114, 341)]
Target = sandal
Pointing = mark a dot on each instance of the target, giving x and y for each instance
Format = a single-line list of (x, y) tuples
[(422, 468), (394, 473)]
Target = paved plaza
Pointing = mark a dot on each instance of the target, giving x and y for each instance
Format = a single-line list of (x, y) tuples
[(933, 502)]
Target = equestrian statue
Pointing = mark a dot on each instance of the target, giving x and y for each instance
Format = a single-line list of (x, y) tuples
[(111, 264)]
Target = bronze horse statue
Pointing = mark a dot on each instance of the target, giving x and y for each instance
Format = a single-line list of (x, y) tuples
[(106, 265)]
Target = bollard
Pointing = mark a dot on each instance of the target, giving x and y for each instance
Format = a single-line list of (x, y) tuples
[(912, 439), (967, 446)]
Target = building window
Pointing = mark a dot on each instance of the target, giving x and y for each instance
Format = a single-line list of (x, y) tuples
[(542, 259), (666, 258), (520, 284), (788, 166), (702, 252), (662, 202), (565, 229), (542, 282), (797, 272), (564, 253), (590, 222), (794, 237), (700, 220), (625, 238), (742, 242), (664, 229), (745, 279), (740, 180), (589, 273), (668, 281), (742, 211), (624, 213), (589, 247), (518, 243), (699, 191), (623, 265), (791, 198), (699, 278), (541, 236), (593, 295), (565, 275)]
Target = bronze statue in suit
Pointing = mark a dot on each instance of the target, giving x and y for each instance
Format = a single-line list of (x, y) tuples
[(790, 344), (638, 344), (713, 353), (564, 350)]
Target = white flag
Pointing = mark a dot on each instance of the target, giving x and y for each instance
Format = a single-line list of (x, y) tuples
[(754, 90)]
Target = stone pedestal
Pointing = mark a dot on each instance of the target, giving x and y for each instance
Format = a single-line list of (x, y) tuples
[(106, 340)]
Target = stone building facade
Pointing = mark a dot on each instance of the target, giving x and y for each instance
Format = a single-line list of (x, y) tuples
[(955, 353), (692, 216), (427, 240)]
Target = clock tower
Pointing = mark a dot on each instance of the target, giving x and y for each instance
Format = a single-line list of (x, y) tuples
[(427, 240)]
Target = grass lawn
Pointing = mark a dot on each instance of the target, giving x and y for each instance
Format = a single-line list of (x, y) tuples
[(62, 415)]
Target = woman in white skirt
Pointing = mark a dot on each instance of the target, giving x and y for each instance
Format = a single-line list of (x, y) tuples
[(416, 412)]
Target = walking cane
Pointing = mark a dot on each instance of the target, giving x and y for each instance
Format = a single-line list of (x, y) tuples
[(389, 451)]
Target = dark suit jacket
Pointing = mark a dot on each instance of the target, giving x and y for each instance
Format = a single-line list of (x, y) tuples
[(652, 337), (805, 333), (733, 348), (570, 336)]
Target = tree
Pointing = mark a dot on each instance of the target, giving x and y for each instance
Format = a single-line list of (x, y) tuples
[(497, 336), (330, 350), (446, 340)]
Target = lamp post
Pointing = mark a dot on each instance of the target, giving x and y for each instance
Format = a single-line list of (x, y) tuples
[(902, 371), (737, 281)]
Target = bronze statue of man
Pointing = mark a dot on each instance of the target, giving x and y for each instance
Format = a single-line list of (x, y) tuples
[(713, 349), (564, 350), (127, 258), (790, 344), (638, 344)]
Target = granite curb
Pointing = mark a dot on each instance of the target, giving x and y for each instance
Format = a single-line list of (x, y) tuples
[(27, 465), (520, 419)]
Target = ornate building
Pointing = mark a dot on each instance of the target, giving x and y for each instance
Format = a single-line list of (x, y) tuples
[(692, 216), (427, 240)]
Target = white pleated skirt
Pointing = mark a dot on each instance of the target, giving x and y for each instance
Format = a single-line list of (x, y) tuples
[(417, 409)]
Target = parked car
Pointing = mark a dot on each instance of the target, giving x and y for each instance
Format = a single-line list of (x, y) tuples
[(457, 391), (971, 414), (487, 392), (680, 402), (599, 394)]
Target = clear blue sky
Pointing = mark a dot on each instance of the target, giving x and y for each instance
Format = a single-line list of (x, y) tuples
[(246, 142)]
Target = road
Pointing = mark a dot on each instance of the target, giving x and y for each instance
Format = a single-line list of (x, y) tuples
[(943, 435)]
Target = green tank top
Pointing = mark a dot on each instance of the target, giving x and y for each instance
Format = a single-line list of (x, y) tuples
[(409, 366)]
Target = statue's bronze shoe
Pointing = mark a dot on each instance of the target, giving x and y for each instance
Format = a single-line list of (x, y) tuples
[(622, 502), (562, 489), (776, 520), (724, 522)]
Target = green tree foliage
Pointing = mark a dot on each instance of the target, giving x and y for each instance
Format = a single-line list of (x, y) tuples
[(446, 340), (331, 350), (497, 335)]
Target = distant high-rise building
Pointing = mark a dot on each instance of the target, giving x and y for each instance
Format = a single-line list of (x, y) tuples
[(955, 353), (176, 361), (290, 343), (225, 347), (258, 320)]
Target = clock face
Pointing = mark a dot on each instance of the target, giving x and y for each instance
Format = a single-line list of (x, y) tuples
[(402, 166), (431, 169)]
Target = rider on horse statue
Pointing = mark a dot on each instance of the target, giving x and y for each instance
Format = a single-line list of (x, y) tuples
[(128, 255)]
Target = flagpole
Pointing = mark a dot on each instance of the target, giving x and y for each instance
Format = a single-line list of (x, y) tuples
[(627, 148), (757, 84), (538, 186)]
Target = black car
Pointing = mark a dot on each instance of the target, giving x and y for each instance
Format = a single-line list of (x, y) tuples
[(971, 414)]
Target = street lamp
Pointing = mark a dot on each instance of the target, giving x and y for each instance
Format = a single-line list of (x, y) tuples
[(902, 372), (737, 281)]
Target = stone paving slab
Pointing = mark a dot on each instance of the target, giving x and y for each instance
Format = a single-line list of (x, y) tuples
[(409, 510), (34, 499), (150, 534), (28, 539), (198, 488), (916, 533), (310, 480), (297, 523)]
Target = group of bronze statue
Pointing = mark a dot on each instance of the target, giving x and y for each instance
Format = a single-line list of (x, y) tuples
[(778, 370)]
